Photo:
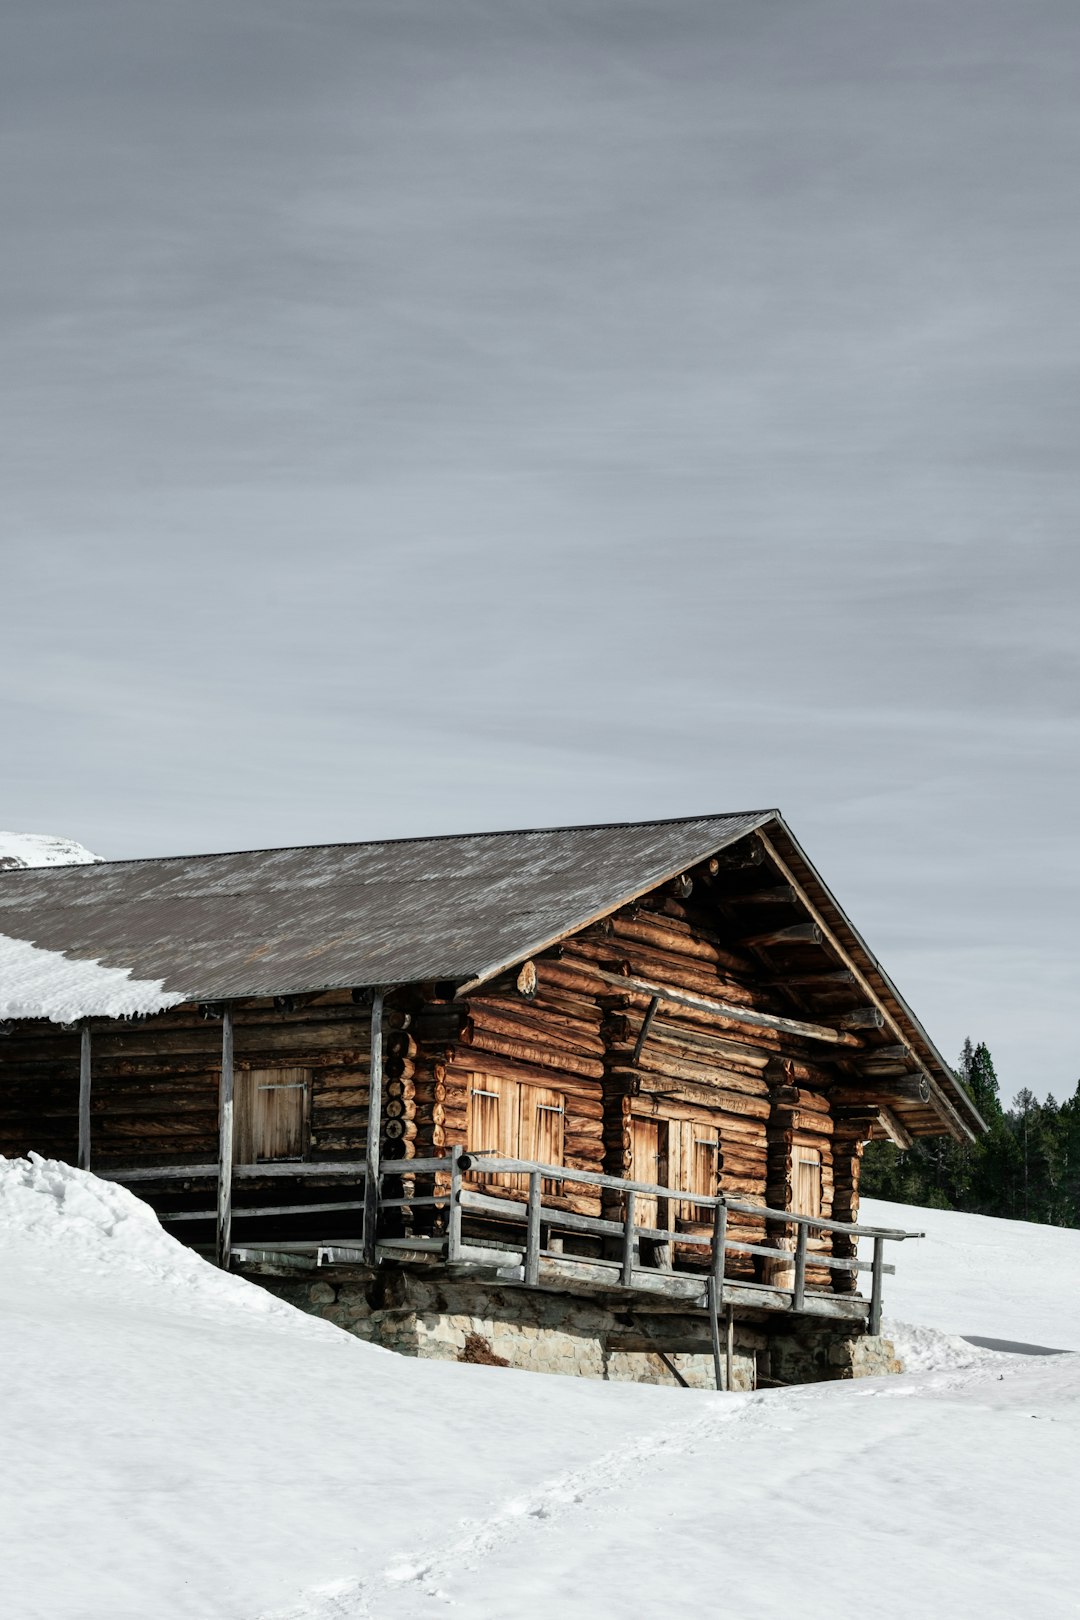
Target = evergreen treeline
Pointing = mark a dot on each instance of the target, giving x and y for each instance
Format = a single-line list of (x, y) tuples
[(1027, 1166)]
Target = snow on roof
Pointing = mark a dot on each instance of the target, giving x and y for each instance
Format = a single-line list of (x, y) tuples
[(41, 849), (47, 984)]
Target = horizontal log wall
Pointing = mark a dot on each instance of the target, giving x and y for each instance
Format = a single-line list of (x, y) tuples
[(154, 1094)]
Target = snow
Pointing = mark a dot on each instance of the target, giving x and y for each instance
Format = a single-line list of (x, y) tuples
[(41, 849), (177, 1443), (1008, 1281), (36, 983)]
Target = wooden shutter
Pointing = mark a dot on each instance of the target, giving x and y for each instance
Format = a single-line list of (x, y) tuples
[(695, 1166), (543, 1115), (806, 1180), (492, 1124), (482, 1132), (271, 1114), (513, 1121)]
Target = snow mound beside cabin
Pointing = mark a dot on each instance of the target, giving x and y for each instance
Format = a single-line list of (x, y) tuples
[(100, 1231), (41, 849)]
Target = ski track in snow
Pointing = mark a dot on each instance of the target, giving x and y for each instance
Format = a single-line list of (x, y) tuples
[(518, 1518), (525, 1516)]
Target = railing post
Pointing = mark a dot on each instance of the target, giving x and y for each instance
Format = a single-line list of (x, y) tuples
[(629, 1236), (716, 1295), (875, 1287), (798, 1293), (84, 1097), (453, 1223), (532, 1238), (712, 1290), (719, 1246), (225, 1142), (372, 1186), (729, 1349)]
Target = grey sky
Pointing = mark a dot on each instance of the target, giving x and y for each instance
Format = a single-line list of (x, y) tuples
[(431, 415)]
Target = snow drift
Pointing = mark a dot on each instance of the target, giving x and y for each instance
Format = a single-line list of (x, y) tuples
[(180, 1444)]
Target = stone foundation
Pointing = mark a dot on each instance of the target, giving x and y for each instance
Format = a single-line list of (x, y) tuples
[(459, 1320), (813, 1353)]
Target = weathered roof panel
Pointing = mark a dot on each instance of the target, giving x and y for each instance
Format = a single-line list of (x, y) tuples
[(281, 921)]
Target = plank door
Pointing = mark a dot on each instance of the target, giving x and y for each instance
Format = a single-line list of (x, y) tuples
[(649, 1155), (272, 1110)]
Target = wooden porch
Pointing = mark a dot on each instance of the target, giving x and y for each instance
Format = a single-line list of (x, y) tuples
[(436, 1213)]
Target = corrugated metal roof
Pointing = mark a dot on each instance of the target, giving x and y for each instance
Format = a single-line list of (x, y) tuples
[(281, 921)]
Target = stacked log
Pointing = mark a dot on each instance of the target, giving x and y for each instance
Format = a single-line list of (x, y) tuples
[(851, 1127), (399, 1108)]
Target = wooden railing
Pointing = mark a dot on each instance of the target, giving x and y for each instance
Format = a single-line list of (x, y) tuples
[(540, 1213)]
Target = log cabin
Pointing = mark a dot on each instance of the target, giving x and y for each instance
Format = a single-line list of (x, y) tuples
[(588, 1100)]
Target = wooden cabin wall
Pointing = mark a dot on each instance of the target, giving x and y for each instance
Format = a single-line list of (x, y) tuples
[(39, 1090), (154, 1095), (549, 1044), (560, 1022)]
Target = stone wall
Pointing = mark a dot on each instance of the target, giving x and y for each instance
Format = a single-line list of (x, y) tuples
[(454, 1320)]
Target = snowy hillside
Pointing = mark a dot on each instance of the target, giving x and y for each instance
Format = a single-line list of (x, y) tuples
[(40, 849), (1003, 1281), (178, 1444)]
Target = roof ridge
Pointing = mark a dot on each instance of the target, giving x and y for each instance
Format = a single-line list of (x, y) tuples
[(414, 838)]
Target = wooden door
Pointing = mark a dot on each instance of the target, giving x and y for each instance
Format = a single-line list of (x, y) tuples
[(272, 1108), (648, 1156), (806, 1180)]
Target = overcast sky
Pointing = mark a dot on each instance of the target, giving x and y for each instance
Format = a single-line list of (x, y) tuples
[(433, 416)]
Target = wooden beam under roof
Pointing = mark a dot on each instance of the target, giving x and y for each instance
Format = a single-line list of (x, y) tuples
[(727, 1009), (943, 1106)]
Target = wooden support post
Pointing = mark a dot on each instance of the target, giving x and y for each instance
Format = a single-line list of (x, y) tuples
[(84, 1098), (798, 1296), (729, 1349), (719, 1246), (712, 1293), (875, 1286), (532, 1238), (374, 1130), (628, 1242), (453, 1223), (225, 1142)]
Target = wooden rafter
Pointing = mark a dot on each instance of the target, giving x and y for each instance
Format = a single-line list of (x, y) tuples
[(944, 1107)]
